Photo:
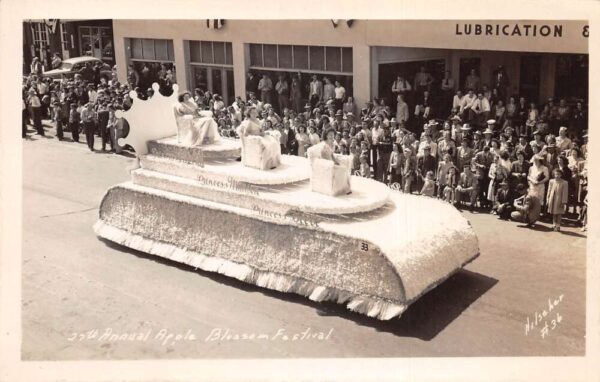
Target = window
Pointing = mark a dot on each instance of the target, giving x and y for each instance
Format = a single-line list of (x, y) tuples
[(150, 49), (211, 52), (211, 67), (308, 58), (96, 42), (40, 34)]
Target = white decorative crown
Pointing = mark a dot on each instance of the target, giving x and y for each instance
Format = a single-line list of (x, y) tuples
[(149, 119)]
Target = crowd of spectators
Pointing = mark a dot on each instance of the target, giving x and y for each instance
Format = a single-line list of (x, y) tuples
[(479, 149)]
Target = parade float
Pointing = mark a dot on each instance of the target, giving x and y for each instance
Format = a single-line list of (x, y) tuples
[(292, 224)]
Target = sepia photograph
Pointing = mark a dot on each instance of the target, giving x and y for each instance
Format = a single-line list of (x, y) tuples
[(303, 189)]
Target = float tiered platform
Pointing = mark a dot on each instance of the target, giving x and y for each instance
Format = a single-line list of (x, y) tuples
[(374, 250)]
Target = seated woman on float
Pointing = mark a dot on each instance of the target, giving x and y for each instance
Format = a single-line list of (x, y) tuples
[(194, 126), (330, 172), (260, 149)]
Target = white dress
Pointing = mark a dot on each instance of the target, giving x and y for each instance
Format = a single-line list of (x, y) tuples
[(195, 128), (270, 142)]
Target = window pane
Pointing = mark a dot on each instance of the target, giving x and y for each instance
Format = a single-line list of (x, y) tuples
[(195, 51), (84, 30), (136, 48), (285, 56), (170, 50), (200, 78), (207, 53), (256, 55), (334, 59), (270, 54), (86, 46), (219, 49), (148, 49), (347, 59), (300, 57), (228, 54), (160, 46), (317, 58)]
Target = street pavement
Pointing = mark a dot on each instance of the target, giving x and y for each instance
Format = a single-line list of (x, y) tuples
[(86, 298)]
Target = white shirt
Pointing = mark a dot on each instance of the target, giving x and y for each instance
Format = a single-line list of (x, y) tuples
[(93, 96), (457, 102), (468, 101), (481, 104), (340, 92)]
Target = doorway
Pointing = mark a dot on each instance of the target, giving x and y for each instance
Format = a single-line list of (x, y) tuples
[(215, 79), (466, 65), (529, 83)]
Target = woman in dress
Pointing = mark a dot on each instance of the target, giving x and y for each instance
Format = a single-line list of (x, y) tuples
[(538, 176), (203, 128), (465, 153), (558, 191), (313, 137), (303, 140), (497, 174), (396, 159), (270, 140)]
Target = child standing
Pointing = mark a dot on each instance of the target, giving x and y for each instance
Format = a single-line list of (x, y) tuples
[(365, 169), (451, 183), (74, 119), (57, 114), (558, 196), (428, 185)]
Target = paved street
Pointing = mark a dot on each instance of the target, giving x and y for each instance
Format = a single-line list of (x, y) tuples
[(77, 289)]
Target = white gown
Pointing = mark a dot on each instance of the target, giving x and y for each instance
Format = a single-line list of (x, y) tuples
[(270, 142), (195, 128)]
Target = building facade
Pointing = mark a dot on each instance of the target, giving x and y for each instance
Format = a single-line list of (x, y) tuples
[(541, 59), (69, 38)]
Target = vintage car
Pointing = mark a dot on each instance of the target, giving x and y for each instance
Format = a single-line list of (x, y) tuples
[(69, 67)]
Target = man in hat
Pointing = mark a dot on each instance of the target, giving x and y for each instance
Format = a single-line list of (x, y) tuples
[(503, 202), (482, 162), (57, 111), (103, 115), (307, 109), (36, 109), (74, 121), (467, 188), (89, 118), (477, 141), (487, 137), (348, 122), (429, 144), (425, 163), (538, 139), (384, 151)]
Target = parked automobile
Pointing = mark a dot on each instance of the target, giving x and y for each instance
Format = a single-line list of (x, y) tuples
[(70, 66)]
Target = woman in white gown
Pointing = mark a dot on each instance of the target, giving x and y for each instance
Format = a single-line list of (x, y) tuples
[(271, 154), (200, 129)]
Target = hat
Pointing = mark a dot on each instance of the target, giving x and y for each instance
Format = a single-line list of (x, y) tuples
[(477, 132), (562, 128), (488, 131), (350, 114), (504, 182), (465, 127), (393, 120), (307, 106), (537, 132), (339, 112), (456, 118), (491, 122)]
